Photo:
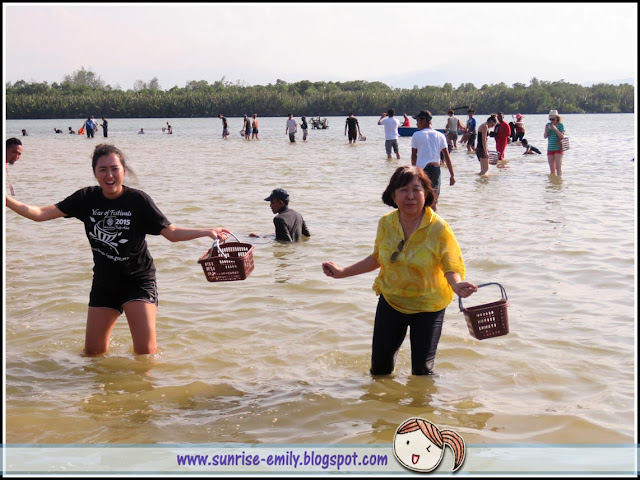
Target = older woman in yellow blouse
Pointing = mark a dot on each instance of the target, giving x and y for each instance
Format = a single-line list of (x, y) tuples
[(421, 268)]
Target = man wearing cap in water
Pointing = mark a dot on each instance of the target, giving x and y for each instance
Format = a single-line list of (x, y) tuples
[(426, 146), (289, 223)]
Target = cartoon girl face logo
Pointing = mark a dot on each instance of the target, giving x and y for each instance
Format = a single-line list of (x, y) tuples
[(419, 445)]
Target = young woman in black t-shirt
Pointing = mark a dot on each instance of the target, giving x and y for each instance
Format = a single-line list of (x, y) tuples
[(116, 219)]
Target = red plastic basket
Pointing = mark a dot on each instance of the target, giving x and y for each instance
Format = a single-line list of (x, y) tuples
[(488, 320), (564, 143), (227, 261)]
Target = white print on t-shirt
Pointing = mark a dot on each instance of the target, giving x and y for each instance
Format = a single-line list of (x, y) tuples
[(111, 257), (111, 213), (108, 229)]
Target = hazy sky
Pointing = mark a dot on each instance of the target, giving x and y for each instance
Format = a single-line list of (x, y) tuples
[(401, 44)]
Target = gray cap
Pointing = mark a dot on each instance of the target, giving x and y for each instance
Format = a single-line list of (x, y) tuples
[(279, 193), (426, 114)]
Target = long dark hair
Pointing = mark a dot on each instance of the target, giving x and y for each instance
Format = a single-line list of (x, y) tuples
[(404, 176), (103, 149)]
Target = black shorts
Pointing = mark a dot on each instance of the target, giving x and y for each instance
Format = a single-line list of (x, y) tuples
[(115, 295), (433, 172)]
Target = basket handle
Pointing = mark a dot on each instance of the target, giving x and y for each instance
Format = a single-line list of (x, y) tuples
[(502, 291), (216, 245)]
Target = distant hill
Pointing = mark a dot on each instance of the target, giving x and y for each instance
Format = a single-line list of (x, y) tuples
[(630, 81), (459, 74)]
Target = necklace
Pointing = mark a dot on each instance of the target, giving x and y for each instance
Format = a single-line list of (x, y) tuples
[(409, 231)]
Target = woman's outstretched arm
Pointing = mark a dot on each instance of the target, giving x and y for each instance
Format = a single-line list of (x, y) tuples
[(181, 234), (32, 212), (367, 264)]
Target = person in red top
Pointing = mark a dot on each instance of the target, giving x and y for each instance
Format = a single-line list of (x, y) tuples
[(502, 133), (407, 122)]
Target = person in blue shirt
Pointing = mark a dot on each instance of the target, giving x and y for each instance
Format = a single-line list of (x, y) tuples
[(89, 127), (471, 133)]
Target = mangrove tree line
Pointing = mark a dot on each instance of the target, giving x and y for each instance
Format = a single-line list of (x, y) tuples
[(84, 93)]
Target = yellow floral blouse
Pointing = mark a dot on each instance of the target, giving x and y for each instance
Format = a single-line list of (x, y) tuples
[(415, 282)]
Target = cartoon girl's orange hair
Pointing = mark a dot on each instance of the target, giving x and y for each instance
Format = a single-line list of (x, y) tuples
[(437, 437)]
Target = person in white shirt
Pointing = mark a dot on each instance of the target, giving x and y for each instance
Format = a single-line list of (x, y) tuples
[(390, 132), (427, 145), (292, 128)]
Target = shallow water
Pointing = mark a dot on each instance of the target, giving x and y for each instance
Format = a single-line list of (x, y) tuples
[(283, 356)]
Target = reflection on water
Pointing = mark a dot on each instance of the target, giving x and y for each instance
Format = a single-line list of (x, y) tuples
[(553, 194), (284, 256), (283, 356), (417, 392), (481, 182), (555, 182), (119, 391)]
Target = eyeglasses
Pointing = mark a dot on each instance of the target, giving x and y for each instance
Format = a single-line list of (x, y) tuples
[(394, 255)]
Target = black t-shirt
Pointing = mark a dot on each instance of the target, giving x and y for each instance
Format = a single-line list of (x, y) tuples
[(116, 231), (290, 225), (351, 123)]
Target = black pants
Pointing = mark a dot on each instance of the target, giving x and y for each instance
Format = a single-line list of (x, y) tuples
[(434, 174), (389, 331), (513, 131)]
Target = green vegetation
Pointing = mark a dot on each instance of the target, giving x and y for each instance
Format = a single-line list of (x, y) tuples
[(84, 93)]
